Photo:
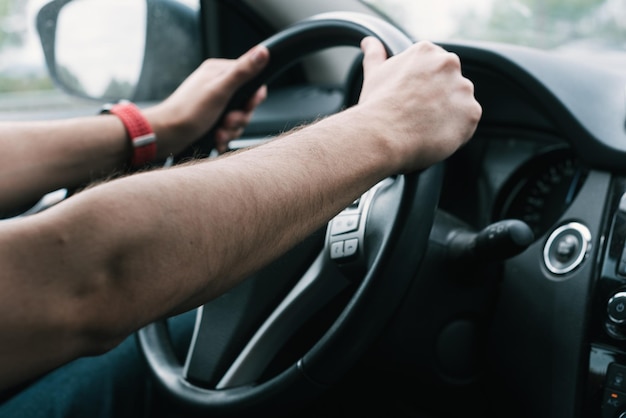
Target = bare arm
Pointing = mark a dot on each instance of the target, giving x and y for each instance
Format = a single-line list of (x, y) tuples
[(125, 253), (39, 157)]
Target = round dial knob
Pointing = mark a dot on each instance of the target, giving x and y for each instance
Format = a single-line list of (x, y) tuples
[(616, 314), (567, 248), (616, 308)]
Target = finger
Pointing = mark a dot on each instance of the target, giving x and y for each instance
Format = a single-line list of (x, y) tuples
[(223, 136), (245, 68), (257, 99), (236, 119), (221, 141), (241, 118), (374, 53)]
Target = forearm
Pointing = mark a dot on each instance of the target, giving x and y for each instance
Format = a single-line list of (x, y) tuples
[(39, 157), (195, 231), (106, 266)]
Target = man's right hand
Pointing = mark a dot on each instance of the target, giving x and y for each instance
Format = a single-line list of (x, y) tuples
[(419, 101)]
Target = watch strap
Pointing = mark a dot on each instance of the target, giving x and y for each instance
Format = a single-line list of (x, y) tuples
[(139, 131)]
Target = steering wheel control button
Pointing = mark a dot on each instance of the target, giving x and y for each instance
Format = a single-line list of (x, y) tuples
[(344, 249), (354, 205), (345, 234), (343, 224), (351, 246), (337, 250), (566, 248)]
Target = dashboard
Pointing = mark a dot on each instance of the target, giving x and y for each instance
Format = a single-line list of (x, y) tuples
[(528, 176), (546, 328), (540, 189)]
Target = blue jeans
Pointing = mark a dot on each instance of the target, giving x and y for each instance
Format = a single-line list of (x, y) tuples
[(115, 384)]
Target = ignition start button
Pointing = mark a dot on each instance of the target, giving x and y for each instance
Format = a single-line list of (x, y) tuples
[(567, 247)]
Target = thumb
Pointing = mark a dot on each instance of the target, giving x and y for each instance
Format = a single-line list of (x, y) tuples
[(246, 67), (374, 53)]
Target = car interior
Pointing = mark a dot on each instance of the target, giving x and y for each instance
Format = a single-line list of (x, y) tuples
[(490, 284)]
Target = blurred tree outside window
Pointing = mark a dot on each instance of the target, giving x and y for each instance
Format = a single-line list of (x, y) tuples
[(546, 24), (22, 65)]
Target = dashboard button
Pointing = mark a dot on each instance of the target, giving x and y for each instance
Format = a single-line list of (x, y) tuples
[(567, 248), (616, 377), (616, 308), (614, 398), (621, 267), (613, 403)]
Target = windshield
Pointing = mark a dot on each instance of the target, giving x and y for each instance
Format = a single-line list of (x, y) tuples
[(545, 24)]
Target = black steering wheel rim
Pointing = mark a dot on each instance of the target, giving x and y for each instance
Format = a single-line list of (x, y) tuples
[(404, 248)]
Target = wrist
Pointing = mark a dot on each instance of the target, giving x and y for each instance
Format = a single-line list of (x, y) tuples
[(173, 132), (378, 132)]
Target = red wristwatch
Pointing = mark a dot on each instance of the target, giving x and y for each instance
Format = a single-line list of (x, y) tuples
[(139, 130)]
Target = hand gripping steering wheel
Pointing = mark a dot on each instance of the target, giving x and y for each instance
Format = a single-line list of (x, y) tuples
[(254, 350)]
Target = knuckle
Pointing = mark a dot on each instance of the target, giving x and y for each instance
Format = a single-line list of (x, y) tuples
[(478, 111), (467, 85), (452, 60), (426, 45)]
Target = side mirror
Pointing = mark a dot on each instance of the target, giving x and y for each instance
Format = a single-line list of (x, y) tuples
[(109, 50)]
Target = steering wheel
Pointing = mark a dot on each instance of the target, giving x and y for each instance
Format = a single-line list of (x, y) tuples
[(260, 349)]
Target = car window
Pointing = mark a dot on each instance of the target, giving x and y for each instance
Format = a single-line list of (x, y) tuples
[(26, 89), (548, 24)]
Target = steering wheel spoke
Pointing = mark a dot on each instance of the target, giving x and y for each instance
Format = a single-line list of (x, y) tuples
[(321, 283)]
